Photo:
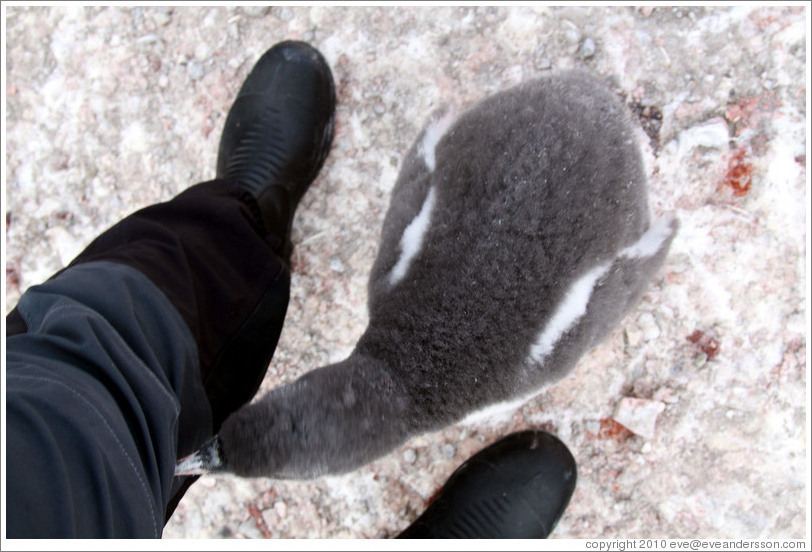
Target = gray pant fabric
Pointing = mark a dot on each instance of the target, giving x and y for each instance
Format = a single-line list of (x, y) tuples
[(133, 356), (93, 389)]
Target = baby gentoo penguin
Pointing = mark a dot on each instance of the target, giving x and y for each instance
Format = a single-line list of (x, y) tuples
[(517, 237)]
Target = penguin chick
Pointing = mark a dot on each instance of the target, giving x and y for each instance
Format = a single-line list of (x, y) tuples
[(517, 237)]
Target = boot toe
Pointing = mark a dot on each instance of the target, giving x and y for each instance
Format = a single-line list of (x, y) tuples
[(519, 487), (279, 129)]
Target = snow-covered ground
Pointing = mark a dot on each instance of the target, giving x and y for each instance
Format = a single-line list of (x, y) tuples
[(111, 109)]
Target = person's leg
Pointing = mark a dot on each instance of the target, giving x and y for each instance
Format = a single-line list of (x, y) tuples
[(208, 252), (136, 353), (98, 390), (214, 269)]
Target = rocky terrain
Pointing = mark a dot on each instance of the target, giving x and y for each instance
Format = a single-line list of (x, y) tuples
[(691, 420)]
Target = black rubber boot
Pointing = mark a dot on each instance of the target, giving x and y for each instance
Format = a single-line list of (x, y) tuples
[(279, 130), (517, 487), (275, 140)]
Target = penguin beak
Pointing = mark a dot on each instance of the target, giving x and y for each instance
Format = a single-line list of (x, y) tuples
[(209, 459)]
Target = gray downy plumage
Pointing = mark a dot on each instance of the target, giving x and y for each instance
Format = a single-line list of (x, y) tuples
[(517, 237)]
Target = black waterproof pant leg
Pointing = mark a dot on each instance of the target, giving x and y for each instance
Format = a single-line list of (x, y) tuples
[(133, 356)]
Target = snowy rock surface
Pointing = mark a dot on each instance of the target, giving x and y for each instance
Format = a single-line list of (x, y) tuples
[(113, 108)]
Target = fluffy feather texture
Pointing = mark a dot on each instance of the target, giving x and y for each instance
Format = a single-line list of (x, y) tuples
[(530, 218)]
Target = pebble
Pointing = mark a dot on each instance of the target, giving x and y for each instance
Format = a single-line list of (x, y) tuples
[(255, 11), (195, 70), (150, 38), (633, 336), (409, 456), (571, 32), (336, 265), (249, 529), (651, 330), (202, 51), (713, 133), (587, 49), (161, 18), (285, 14), (448, 451), (638, 415), (270, 517)]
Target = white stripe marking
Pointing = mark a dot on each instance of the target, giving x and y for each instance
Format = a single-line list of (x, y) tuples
[(412, 240), (569, 311), (434, 132), (652, 241)]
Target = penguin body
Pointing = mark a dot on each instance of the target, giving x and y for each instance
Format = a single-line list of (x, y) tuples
[(518, 235)]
